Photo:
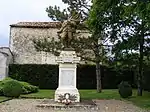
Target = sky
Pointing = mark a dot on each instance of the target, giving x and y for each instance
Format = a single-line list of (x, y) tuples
[(14, 11)]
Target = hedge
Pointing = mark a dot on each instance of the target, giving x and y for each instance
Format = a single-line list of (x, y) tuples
[(46, 76)]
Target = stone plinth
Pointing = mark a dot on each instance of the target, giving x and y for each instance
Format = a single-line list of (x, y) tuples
[(67, 77)]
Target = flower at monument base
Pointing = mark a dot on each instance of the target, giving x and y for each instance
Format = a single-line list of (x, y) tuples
[(66, 101), (67, 98)]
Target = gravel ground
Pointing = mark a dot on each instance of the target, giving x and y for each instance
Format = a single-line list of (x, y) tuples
[(29, 105)]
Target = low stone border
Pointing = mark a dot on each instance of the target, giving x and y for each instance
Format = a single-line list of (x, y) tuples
[(84, 105)]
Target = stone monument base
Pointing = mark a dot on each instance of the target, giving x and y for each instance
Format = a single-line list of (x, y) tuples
[(74, 95), (67, 91)]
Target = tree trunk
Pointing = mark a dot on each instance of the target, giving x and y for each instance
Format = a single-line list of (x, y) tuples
[(140, 75), (98, 71), (98, 77)]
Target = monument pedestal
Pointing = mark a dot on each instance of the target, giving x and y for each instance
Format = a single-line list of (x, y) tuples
[(67, 77)]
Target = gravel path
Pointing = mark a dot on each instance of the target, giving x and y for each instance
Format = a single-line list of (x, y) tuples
[(29, 105)]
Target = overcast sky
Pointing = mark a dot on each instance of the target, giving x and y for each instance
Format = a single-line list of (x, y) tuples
[(13, 11)]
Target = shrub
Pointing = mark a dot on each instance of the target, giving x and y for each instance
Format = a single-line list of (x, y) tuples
[(1, 86), (46, 76), (28, 88), (125, 89), (4, 81), (12, 88), (1, 91)]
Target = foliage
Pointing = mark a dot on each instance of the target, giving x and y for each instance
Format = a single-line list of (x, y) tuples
[(2, 83), (83, 47), (129, 44), (1, 91), (101, 22), (134, 42), (1, 88), (46, 76), (80, 6), (55, 14), (126, 24), (12, 88), (125, 89), (43, 76), (28, 88)]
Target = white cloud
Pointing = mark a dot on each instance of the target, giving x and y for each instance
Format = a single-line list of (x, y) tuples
[(13, 11)]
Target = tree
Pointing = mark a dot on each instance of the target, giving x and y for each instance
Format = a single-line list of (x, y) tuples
[(80, 6), (136, 33), (104, 21)]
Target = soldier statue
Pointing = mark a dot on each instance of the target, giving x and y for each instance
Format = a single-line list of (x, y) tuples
[(66, 32)]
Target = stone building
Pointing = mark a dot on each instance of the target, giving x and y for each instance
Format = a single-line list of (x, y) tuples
[(21, 41), (6, 58)]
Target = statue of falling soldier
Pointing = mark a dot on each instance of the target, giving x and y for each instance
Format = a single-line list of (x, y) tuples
[(68, 29)]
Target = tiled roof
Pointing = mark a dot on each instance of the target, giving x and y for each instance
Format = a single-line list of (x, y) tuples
[(37, 24)]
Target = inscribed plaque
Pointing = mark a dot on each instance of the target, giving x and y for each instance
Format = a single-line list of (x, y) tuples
[(67, 78)]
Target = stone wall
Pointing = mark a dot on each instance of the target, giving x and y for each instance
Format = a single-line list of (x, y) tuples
[(5, 60), (6, 50), (22, 46)]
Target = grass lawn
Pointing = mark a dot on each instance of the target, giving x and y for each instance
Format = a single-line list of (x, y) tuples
[(143, 101), (2, 98), (40, 94)]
